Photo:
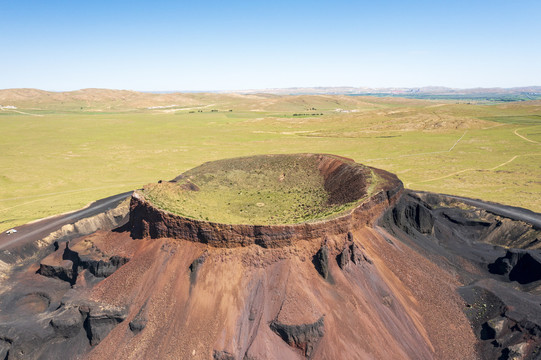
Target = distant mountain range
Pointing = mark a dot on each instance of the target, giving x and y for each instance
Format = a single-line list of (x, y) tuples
[(477, 95), (109, 98), (427, 90)]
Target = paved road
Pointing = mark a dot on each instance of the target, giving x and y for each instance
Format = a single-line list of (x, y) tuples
[(41, 228), (510, 212)]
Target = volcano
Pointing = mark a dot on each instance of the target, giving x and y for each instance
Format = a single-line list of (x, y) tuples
[(303, 256)]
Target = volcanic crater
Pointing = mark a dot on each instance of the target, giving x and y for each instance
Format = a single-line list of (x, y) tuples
[(269, 200), (303, 256)]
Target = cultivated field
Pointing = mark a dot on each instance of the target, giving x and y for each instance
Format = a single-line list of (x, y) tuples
[(60, 151)]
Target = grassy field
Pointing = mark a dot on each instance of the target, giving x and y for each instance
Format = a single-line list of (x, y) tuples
[(56, 157)]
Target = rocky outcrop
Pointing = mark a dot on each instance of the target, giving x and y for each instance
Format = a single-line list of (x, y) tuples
[(68, 322), (146, 220), (195, 266), (508, 325), (304, 337), (137, 324), (448, 216), (102, 267), (222, 355), (139, 321), (99, 321), (66, 264), (107, 220), (5, 346), (321, 263), (351, 253), (95, 319), (523, 266), (65, 333), (413, 216), (59, 268)]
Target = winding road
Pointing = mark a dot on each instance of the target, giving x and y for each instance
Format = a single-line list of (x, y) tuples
[(41, 228), (507, 211), (511, 212)]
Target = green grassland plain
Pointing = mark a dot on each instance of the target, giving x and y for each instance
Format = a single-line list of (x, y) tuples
[(61, 151)]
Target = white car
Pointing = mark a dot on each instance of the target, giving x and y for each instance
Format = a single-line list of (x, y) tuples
[(11, 231)]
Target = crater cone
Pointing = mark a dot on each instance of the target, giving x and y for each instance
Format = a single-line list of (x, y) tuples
[(270, 200)]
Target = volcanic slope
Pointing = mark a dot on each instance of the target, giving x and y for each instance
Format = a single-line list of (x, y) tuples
[(378, 281)]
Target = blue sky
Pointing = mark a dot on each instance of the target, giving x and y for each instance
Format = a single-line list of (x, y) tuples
[(221, 45)]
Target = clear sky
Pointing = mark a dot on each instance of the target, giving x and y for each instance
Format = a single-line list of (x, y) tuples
[(228, 45)]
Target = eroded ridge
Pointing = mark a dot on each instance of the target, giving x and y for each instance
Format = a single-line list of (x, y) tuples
[(354, 195)]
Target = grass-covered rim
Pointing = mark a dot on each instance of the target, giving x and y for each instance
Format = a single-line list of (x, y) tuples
[(266, 189)]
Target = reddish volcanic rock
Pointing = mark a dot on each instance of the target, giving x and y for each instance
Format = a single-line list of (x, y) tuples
[(252, 302)]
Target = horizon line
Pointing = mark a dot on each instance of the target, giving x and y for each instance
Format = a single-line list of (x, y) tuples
[(388, 88)]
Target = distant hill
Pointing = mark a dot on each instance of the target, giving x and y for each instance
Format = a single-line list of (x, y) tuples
[(96, 98), (268, 99), (125, 100), (428, 92)]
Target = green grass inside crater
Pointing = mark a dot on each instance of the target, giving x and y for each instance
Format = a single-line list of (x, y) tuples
[(264, 190)]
